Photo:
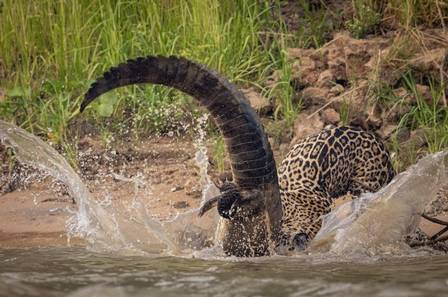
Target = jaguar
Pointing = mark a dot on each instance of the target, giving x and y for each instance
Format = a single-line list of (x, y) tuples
[(323, 167)]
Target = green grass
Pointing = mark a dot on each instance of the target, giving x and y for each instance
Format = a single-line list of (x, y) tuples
[(431, 116), (316, 25), (366, 17), (412, 13), (427, 115), (52, 50), (284, 93), (219, 153), (374, 16)]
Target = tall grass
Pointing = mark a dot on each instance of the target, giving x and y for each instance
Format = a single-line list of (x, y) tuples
[(286, 107), (412, 13), (406, 14), (430, 116), (50, 51)]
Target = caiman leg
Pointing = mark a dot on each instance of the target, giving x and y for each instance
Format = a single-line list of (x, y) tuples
[(438, 236), (230, 200)]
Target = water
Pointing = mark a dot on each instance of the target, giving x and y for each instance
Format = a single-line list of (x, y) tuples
[(378, 222), (108, 227), (359, 251), (75, 272)]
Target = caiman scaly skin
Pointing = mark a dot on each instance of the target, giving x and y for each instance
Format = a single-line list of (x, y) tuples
[(253, 226)]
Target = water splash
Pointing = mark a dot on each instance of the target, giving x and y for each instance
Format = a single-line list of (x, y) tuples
[(201, 158), (194, 233), (378, 222), (33, 151), (104, 225), (363, 226)]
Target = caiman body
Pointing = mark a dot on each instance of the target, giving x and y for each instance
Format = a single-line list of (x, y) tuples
[(253, 228)]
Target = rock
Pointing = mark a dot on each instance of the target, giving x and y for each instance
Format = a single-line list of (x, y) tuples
[(425, 93), (356, 58), (176, 188), (431, 62), (382, 69), (403, 94), (280, 131), (314, 96), (403, 134), (274, 143), (416, 140), (181, 204), (374, 120), (156, 180), (336, 63), (330, 116), (439, 204), (334, 52), (336, 90), (283, 149), (396, 112), (306, 125), (387, 130), (306, 65), (261, 104), (270, 83), (194, 193), (326, 79), (355, 98), (305, 71), (276, 75), (298, 53), (294, 53), (88, 142), (400, 134)]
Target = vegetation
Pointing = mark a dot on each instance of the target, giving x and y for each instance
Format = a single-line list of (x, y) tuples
[(51, 51)]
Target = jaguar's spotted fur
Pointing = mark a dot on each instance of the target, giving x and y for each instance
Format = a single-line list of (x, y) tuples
[(324, 167)]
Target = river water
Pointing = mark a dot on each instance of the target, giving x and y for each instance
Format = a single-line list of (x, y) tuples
[(359, 251), (77, 272)]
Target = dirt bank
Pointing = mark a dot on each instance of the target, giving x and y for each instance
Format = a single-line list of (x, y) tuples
[(393, 84), (163, 172)]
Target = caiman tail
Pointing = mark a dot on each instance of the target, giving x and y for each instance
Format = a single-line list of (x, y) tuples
[(252, 162)]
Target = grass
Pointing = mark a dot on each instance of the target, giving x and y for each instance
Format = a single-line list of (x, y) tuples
[(283, 91), (52, 50), (366, 17), (371, 16), (219, 153), (315, 26), (412, 13), (427, 118), (429, 115)]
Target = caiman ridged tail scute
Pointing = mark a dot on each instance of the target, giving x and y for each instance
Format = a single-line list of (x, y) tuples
[(252, 162)]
